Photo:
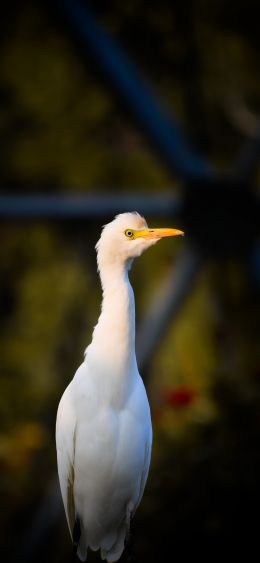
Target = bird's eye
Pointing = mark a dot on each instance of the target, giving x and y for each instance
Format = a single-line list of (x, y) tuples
[(129, 233)]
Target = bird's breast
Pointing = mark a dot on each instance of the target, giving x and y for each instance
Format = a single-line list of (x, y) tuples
[(110, 438)]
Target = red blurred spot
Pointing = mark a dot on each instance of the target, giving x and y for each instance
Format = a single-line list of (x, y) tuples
[(179, 397)]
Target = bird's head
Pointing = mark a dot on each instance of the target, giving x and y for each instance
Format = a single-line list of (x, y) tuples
[(126, 237)]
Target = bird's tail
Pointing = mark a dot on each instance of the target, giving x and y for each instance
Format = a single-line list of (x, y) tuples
[(80, 547)]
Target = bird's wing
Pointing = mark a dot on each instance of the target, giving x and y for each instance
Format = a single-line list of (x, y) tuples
[(144, 475), (65, 443), (140, 405), (147, 459)]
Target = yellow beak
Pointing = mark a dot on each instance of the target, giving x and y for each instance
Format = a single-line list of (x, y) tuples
[(157, 233)]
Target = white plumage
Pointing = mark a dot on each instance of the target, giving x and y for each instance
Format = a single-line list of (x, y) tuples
[(103, 429)]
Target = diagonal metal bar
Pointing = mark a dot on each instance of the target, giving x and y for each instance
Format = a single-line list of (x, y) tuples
[(162, 130), (87, 206), (165, 305)]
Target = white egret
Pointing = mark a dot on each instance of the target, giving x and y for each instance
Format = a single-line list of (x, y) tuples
[(103, 430)]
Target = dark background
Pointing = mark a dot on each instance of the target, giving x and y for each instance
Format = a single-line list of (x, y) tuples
[(67, 130)]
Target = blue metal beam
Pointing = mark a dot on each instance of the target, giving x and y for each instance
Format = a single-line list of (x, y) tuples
[(160, 128), (89, 206)]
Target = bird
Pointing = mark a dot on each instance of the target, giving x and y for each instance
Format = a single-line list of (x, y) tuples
[(103, 426)]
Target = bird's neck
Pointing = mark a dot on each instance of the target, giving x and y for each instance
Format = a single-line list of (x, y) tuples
[(114, 335)]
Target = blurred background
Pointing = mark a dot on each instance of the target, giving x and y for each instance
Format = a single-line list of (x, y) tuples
[(115, 106)]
